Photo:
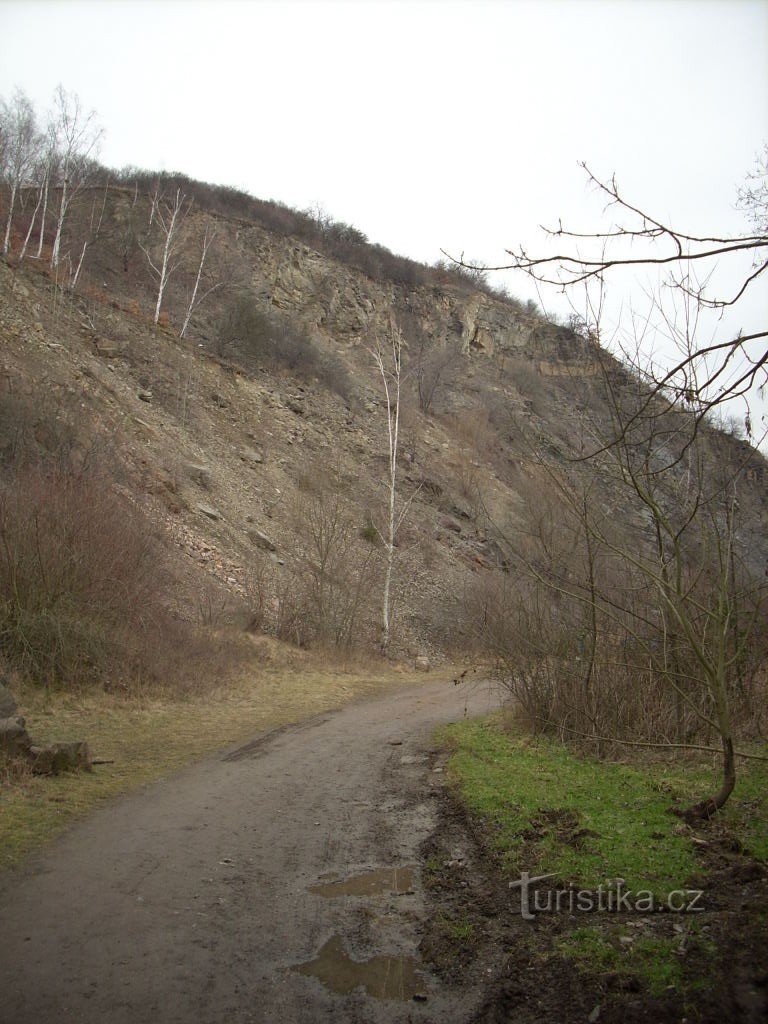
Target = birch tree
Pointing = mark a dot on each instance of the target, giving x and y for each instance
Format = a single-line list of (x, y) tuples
[(46, 171), (76, 136), (41, 176), (20, 146), (92, 232), (197, 296), (389, 362), (169, 215)]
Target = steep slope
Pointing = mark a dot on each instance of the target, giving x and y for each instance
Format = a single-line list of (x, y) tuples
[(244, 462)]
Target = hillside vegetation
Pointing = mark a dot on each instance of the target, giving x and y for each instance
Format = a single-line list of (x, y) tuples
[(193, 446)]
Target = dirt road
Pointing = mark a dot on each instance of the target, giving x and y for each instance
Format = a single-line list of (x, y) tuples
[(273, 883)]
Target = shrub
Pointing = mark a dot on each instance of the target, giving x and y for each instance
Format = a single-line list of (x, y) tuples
[(256, 338), (82, 583)]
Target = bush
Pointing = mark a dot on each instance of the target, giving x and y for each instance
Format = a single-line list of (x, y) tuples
[(341, 241), (255, 338), (324, 596), (81, 583)]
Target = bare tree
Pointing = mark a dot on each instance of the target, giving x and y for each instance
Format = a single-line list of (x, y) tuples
[(668, 616), (389, 362), (42, 177), (684, 596), (46, 171), (98, 206), (197, 297), (77, 137), (169, 215), (20, 146), (707, 373), (435, 368), (335, 565)]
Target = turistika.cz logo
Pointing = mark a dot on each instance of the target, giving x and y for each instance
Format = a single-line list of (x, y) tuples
[(610, 897)]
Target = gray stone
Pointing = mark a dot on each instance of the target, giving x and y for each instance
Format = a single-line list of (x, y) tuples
[(145, 396), (261, 540), (422, 664), (209, 511), (107, 348), (200, 475), (14, 738), (61, 757), (251, 456)]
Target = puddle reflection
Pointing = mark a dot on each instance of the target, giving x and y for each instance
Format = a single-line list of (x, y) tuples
[(383, 977)]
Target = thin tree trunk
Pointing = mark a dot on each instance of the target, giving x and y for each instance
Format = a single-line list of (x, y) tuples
[(706, 808), (9, 221), (79, 266), (56, 251), (30, 229), (207, 240), (41, 239), (391, 376)]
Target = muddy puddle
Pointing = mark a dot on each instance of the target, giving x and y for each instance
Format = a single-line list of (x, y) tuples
[(369, 883), (383, 977)]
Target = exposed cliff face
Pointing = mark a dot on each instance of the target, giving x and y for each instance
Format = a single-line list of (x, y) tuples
[(231, 460), (348, 307)]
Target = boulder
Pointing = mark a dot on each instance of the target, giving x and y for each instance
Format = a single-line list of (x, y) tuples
[(251, 456), (55, 758), (45, 759), (107, 348), (200, 475), (14, 738), (261, 540), (422, 664), (209, 511)]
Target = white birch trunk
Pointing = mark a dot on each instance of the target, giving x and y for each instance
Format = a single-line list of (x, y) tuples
[(30, 229), (170, 220), (207, 240), (56, 251), (76, 275), (9, 221), (41, 239), (391, 379)]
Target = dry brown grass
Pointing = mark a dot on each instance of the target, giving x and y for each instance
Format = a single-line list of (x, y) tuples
[(151, 734)]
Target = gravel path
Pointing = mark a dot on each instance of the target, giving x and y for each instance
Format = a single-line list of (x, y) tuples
[(191, 900)]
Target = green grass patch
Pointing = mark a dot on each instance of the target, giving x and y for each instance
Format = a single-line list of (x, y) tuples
[(652, 957), (460, 929), (586, 821)]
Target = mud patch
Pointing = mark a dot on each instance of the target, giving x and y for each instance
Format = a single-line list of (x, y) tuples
[(474, 935), (395, 881), (383, 977)]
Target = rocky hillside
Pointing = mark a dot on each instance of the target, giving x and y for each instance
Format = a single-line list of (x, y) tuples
[(256, 444)]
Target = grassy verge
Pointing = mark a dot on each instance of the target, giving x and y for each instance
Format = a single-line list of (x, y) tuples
[(541, 809), (150, 736), (585, 821), (655, 958)]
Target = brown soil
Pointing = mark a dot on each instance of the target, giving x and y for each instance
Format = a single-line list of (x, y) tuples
[(526, 981)]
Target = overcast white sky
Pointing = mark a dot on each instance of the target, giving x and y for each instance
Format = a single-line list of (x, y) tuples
[(428, 125)]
